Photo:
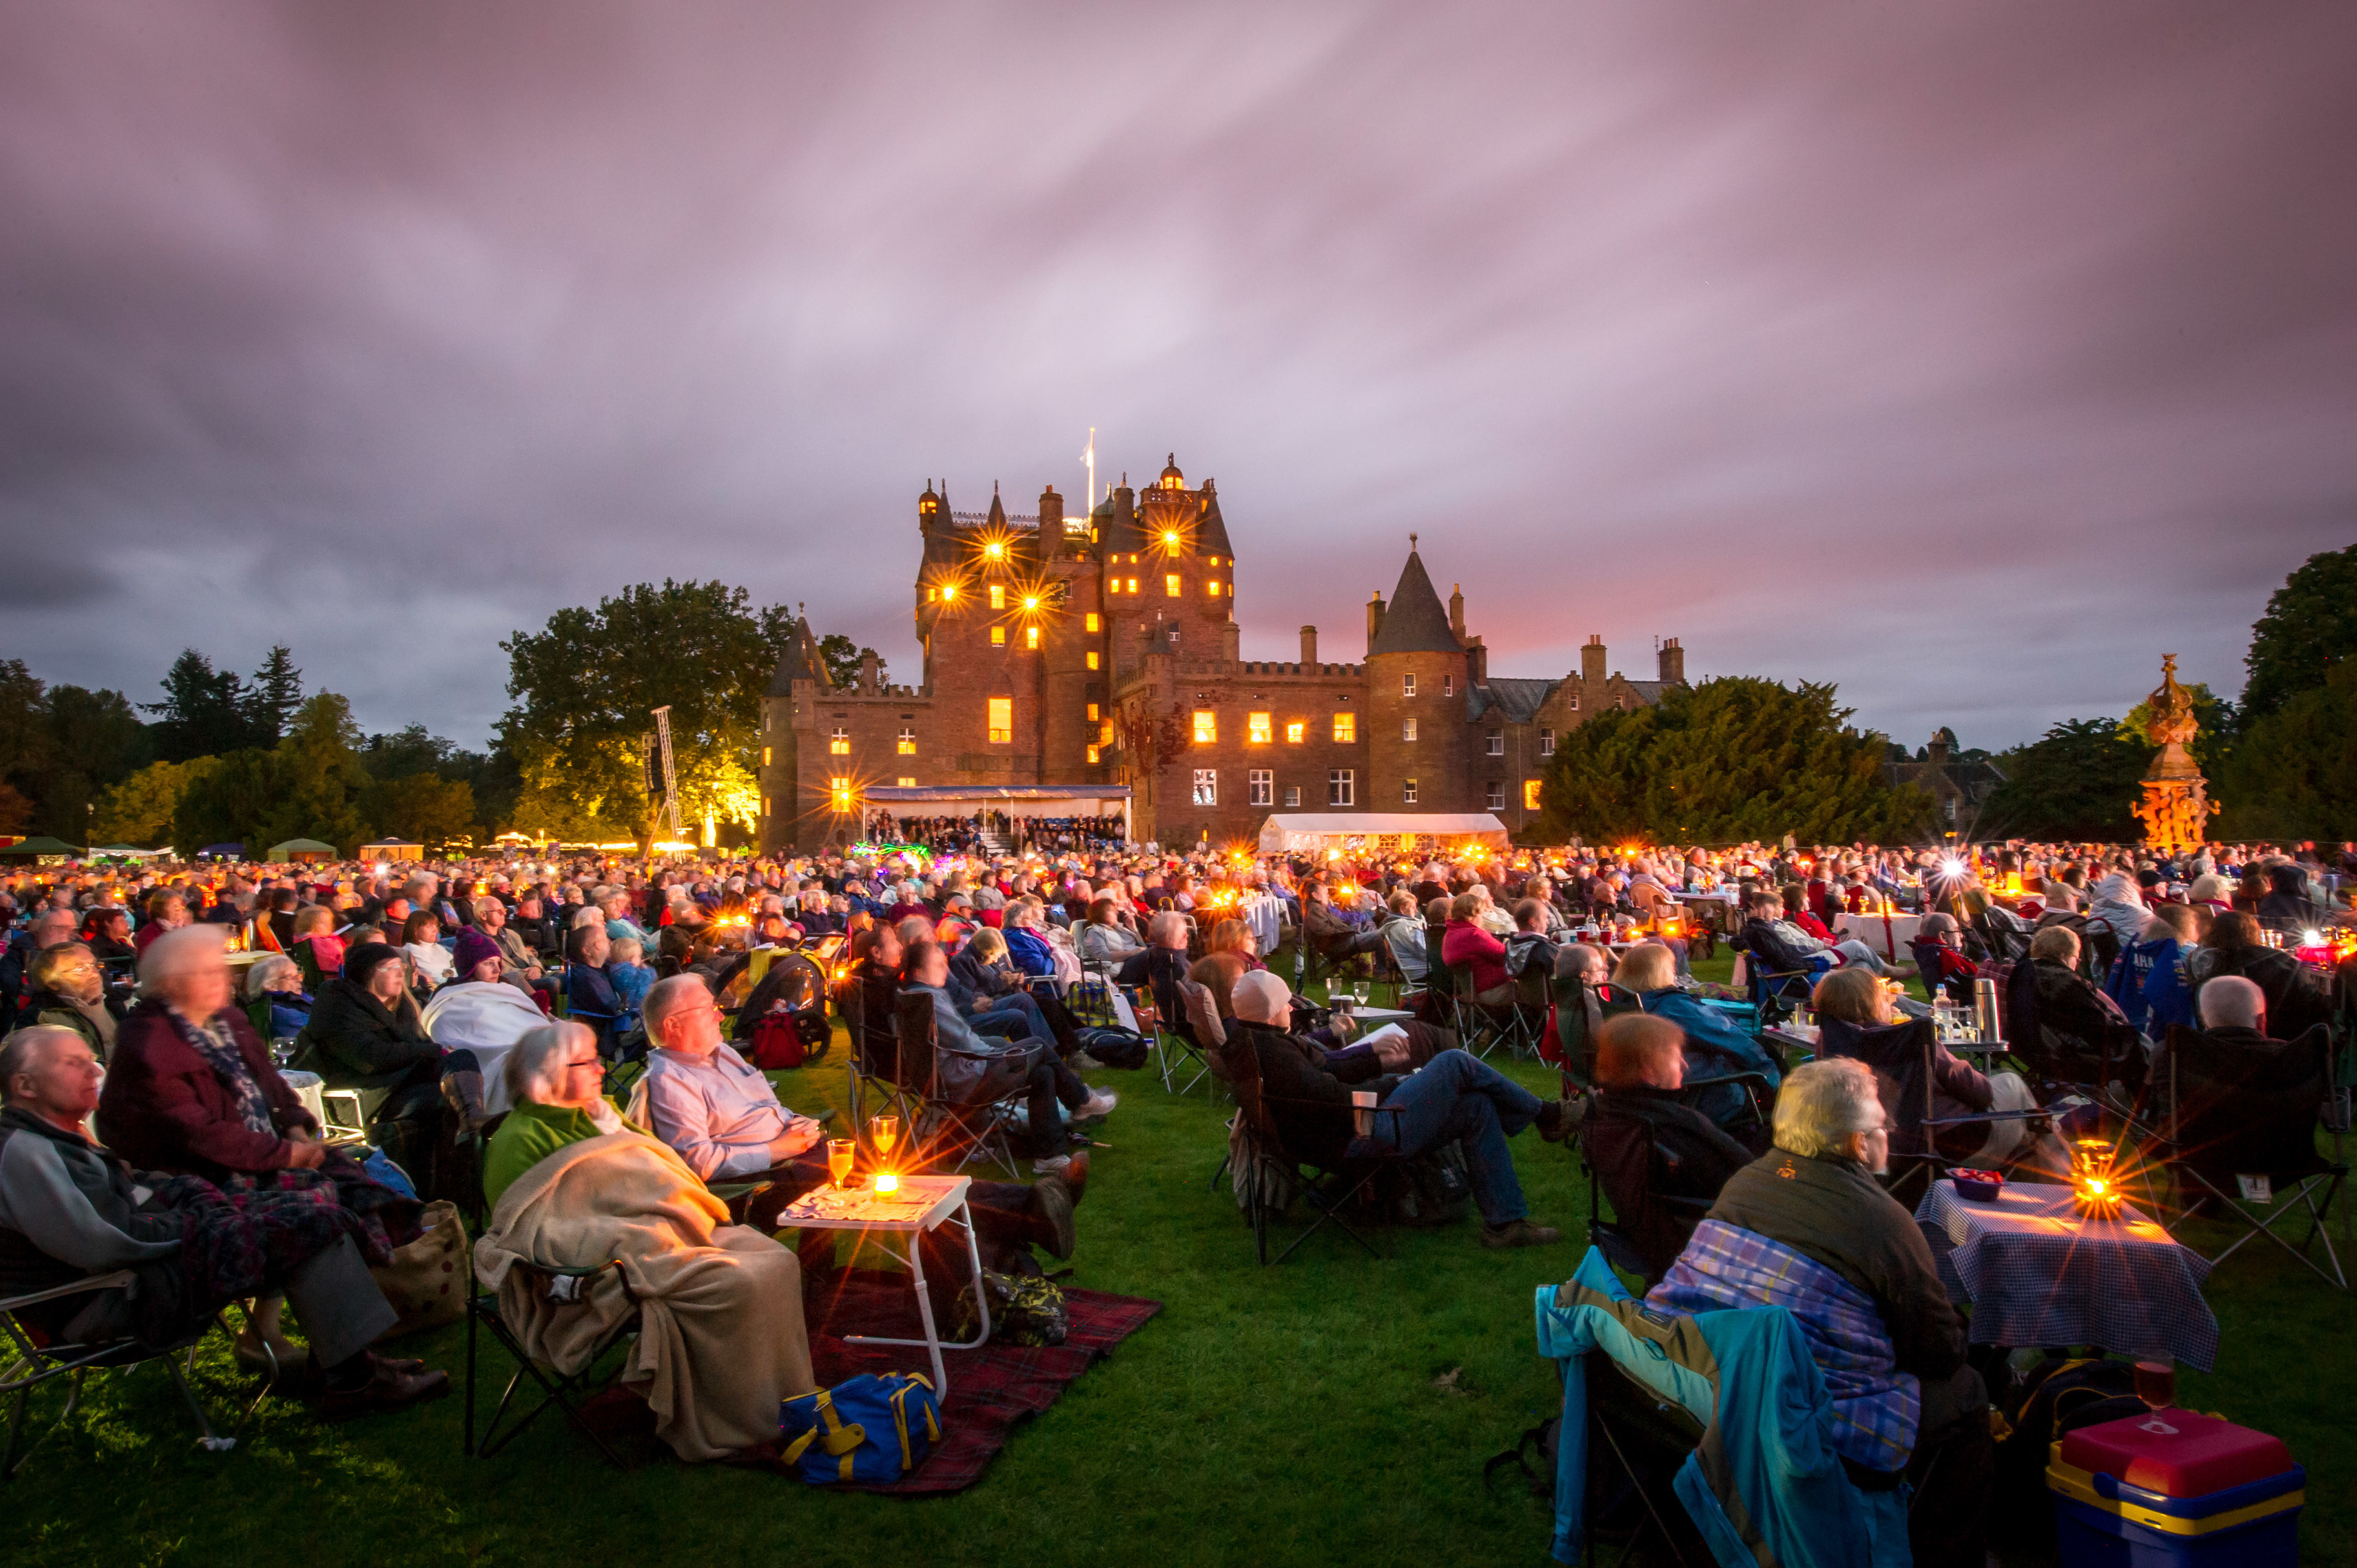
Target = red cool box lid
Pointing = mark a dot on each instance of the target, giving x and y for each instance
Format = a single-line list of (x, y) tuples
[(2177, 1453)]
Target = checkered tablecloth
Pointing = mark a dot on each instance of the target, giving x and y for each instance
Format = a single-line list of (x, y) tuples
[(2037, 1272)]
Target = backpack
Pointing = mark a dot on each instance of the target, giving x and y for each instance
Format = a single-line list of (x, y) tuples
[(1124, 1048), (776, 1042), (1024, 1309), (870, 1431)]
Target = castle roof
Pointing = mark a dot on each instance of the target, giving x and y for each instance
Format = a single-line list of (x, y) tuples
[(800, 663), (1515, 699), (1211, 532), (1414, 621)]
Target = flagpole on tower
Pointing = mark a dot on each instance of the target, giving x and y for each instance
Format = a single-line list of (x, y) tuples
[(1090, 457)]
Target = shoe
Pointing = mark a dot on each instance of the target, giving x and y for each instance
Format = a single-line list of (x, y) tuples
[(1053, 1200), (1054, 1164), (1561, 1120), (1075, 1176), (386, 1390), (1519, 1233), (1100, 1104)]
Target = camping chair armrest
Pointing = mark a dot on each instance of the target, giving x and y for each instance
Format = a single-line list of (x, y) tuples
[(1975, 1118), (118, 1280), (942, 1050), (1757, 1079)]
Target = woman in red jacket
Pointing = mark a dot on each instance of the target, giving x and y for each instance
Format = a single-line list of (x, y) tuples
[(190, 1089), (1462, 942)]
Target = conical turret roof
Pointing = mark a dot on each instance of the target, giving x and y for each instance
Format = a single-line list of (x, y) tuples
[(1414, 621), (800, 663)]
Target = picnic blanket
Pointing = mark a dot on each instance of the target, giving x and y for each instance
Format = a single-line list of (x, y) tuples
[(991, 1389)]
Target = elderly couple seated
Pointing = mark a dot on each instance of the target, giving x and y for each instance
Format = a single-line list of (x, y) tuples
[(1307, 1085), (207, 1181), (573, 1185)]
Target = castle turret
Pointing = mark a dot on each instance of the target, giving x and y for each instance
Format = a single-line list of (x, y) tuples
[(1416, 701)]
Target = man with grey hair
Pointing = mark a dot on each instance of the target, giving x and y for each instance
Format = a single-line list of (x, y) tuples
[(71, 1209), (2232, 1002), (1807, 1228), (721, 1115)]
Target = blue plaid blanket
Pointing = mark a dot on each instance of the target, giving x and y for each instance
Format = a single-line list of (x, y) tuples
[(1875, 1406)]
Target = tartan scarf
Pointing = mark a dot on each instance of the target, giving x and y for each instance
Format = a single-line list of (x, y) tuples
[(1875, 1406), (213, 1040)]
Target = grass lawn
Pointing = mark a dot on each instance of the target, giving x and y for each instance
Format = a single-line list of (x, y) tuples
[(1336, 1408)]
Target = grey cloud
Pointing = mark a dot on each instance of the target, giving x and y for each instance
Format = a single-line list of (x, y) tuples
[(1966, 358)]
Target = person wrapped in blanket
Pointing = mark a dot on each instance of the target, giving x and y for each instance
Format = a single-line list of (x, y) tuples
[(191, 1092), (718, 1306), (1806, 1227)]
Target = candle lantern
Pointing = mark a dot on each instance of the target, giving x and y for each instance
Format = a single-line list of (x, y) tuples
[(2094, 1190)]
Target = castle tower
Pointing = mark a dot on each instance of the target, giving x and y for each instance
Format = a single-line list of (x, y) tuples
[(1415, 677), (1169, 571)]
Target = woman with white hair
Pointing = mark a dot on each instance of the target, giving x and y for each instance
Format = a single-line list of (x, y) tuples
[(274, 998), (556, 1096), (1807, 1228)]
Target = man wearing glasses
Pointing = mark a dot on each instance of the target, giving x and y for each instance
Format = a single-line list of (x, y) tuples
[(719, 1113)]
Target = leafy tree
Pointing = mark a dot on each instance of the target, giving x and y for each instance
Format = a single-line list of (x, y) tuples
[(420, 806), (1729, 759), (2310, 622), (27, 745), (585, 686), (276, 693), (96, 741), (841, 658), (2077, 782), (2214, 713), (140, 809), (228, 802), (16, 811), (406, 753), (2293, 774), (205, 711), (321, 778)]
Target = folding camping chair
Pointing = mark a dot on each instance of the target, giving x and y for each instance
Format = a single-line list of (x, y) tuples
[(868, 1064), (1344, 1185), (34, 1357), (1179, 1051), (565, 1289), (972, 1123), (1774, 994), (2241, 1130), (1900, 1057)]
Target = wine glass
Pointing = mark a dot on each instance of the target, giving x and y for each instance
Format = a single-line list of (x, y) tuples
[(840, 1152), (883, 1132), (1361, 989)]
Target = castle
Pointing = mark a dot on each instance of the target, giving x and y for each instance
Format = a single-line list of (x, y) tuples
[(1073, 655)]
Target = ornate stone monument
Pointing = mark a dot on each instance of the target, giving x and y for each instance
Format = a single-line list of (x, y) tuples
[(2176, 806)]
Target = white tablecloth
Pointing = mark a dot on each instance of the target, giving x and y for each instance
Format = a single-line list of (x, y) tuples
[(1868, 929)]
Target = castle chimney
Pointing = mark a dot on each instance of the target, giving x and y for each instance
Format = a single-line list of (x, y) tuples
[(867, 672), (1477, 660), (1936, 753), (1230, 642), (1308, 649), (1375, 617), (1592, 667), (1674, 662), (1456, 610), (1051, 519)]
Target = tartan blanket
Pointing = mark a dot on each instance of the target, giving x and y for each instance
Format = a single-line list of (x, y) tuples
[(1875, 1406), (991, 1389)]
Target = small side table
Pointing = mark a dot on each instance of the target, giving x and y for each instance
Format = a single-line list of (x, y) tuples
[(923, 1203)]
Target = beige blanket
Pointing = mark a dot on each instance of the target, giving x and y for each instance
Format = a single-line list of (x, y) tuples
[(721, 1340)]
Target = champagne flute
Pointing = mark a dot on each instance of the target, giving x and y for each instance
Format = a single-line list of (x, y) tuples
[(840, 1152)]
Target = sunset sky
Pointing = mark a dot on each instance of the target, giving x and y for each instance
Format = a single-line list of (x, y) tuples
[(1970, 357)]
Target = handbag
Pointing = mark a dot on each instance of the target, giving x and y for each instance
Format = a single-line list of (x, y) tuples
[(1024, 1309), (426, 1281), (870, 1431)]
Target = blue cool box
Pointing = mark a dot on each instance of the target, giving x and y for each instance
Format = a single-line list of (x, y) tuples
[(2174, 1490)]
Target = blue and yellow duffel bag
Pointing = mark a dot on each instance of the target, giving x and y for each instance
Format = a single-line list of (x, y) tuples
[(868, 1431)]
